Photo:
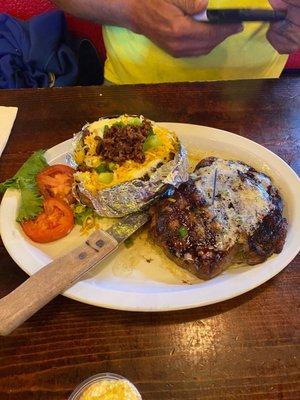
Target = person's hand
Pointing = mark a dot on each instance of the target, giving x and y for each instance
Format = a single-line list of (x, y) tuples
[(168, 23), (284, 36)]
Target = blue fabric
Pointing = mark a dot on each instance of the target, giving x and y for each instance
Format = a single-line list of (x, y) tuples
[(31, 50)]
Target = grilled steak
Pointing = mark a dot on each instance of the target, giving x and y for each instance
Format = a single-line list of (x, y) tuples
[(226, 213)]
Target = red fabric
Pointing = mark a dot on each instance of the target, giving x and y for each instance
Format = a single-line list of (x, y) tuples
[(25, 9), (294, 61)]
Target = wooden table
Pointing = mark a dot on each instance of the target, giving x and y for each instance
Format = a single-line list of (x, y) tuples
[(244, 348)]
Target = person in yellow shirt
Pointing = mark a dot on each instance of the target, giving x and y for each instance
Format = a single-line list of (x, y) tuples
[(153, 41)]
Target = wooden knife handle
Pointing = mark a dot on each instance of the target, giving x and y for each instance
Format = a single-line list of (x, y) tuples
[(51, 280)]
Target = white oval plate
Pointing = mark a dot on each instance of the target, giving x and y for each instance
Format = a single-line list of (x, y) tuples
[(141, 278)]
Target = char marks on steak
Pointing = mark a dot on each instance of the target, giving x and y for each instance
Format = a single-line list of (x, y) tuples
[(244, 223)]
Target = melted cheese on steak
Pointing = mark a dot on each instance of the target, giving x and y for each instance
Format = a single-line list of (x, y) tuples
[(241, 199)]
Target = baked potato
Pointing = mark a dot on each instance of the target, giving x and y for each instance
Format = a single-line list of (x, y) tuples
[(123, 164)]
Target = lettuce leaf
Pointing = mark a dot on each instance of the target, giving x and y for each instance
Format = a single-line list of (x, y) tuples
[(31, 204), (28, 172), (25, 180)]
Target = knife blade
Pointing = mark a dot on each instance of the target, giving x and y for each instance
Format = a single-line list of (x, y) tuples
[(60, 274)]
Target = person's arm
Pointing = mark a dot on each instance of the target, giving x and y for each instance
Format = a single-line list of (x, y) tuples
[(167, 23), (104, 12), (285, 36)]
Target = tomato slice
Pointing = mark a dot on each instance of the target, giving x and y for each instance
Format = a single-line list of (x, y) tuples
[(55, 222), (56, 181)]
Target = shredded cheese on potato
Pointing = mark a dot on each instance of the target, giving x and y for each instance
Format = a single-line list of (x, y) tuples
[(130, 169)]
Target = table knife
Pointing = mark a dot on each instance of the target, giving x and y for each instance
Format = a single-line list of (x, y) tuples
[(238, 15), (60, 274)]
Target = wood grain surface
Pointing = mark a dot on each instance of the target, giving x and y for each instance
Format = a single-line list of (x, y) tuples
[(244, 348), (48, 282)]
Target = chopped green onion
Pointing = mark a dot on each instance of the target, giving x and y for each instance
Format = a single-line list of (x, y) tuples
[(119, 124), (102, 168), (85, 216), (106, 177), (105, 129), (136, 121), (81, 213), (79, 208), (112, 166), (183, 232), (151, 142)]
